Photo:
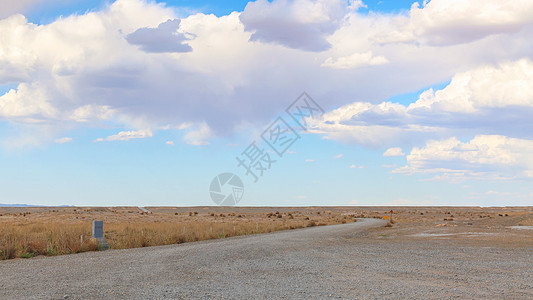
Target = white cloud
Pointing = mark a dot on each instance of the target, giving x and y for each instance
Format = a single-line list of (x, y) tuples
[(80, 70), (508, 85), (164, 38), (299, 24), (90, 112), (127, 135), (392, 152), (485, 156), (9, 8), (199, 135), (354, 61), (490, 99), (338, 156), (448, 22), (28, 103), (309, 160), (353, 167), (170, 143), (63, 140)]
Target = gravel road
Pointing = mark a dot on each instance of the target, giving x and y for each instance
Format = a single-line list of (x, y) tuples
[(339, 261)]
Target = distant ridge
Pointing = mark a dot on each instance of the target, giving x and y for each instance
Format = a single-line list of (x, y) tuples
[(17, 205), (30, 205)]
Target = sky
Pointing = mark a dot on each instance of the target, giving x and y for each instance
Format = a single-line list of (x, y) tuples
[(308, 102)]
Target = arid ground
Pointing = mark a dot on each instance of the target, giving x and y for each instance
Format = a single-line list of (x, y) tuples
[(428, 253), (29, 232)]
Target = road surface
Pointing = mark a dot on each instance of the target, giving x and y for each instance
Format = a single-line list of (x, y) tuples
[(340, 261)]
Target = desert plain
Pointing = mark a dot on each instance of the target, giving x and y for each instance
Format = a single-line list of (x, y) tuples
[(269, 253)]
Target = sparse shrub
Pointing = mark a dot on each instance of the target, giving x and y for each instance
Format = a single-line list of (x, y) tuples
[(311, 224), (26, 255)]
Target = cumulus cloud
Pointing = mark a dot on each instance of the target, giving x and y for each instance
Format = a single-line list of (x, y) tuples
[(448, 22), (298, 24), (164, 38), (393, 152), (485, 156), (80, 70), (488, 99), (199, 135), (9, 8), (127, 135), (354, 61), (28, 103)]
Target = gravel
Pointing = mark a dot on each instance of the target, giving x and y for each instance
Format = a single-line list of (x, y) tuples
[(331, 262)]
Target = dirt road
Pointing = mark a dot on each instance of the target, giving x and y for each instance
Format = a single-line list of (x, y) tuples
[(338, 261)]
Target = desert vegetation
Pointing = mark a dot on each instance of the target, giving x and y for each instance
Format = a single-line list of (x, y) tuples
[(29, 232), (33, 232)]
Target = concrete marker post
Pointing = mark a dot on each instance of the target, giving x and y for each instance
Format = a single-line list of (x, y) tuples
[(98, 234)]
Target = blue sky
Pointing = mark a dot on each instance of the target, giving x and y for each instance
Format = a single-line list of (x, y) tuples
[(134, 102)]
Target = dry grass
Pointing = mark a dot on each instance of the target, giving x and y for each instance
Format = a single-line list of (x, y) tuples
[(28, 240), (66, 231), (122, 236), (27, 232)]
